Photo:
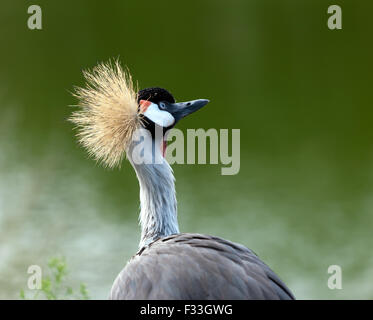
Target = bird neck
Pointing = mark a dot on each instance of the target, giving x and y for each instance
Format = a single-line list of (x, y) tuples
[(158, 206)]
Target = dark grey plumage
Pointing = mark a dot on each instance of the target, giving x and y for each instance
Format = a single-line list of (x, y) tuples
[(199, 267)]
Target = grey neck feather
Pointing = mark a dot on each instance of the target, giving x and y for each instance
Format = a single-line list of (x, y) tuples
[(158, 206)]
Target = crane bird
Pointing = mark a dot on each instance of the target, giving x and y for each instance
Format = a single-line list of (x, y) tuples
[(169, 264)]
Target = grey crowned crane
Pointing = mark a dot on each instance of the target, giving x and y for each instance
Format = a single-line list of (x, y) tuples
[(169, 264)]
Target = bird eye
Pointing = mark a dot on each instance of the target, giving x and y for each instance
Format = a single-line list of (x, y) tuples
[(162, 105)]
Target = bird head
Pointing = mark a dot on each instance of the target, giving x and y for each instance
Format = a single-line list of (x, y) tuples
[(111, 111), (159, 108)]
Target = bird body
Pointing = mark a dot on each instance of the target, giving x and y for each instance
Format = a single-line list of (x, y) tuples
[(194, 266), (169, 264)]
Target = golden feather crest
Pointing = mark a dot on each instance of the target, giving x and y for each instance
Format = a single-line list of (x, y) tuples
[(108, 114)]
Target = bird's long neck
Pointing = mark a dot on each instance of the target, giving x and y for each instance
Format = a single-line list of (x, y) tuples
[(158, 214)]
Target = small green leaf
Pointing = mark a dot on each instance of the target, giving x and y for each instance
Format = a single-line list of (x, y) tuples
[(84, 292), (22, 294)]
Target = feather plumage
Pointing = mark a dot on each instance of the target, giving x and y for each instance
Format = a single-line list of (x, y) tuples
[(191, 266), (108, 114)]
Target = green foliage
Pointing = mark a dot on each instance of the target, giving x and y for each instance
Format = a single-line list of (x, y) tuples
[(53, 286)]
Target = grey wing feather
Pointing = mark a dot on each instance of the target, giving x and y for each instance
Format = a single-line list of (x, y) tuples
[(199, 267)]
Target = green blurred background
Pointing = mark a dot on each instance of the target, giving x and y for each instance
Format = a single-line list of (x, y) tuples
[(300, 93)]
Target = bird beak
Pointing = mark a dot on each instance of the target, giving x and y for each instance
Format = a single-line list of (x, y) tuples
[(180, 110)]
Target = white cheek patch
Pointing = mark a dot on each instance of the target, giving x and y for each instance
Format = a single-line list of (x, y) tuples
[(160, 117)]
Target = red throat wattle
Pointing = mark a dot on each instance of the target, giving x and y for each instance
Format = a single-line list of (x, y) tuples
[(144, 105), (164, 147)]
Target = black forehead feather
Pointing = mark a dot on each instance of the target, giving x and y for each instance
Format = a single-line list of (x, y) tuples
[(155, 95)]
